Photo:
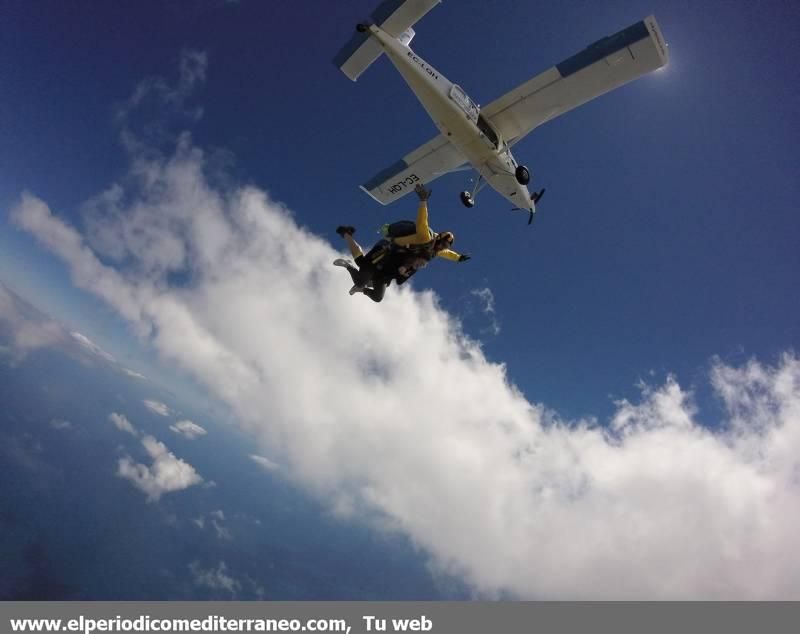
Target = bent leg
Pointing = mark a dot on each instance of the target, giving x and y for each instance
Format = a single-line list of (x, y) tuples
[(359, 276), (366, 272), (355, 248), (376, 294)]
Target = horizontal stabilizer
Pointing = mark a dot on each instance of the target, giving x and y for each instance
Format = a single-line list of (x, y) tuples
[(358, 54), (393, 16)]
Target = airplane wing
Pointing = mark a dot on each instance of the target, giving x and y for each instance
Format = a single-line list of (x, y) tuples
[(438, 156), (601, 67)]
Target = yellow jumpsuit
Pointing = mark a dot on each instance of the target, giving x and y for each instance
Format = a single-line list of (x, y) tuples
[(425, 235)]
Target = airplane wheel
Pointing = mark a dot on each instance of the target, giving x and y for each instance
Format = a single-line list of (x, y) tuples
[(523, 175), (361, 28), (467, 200)]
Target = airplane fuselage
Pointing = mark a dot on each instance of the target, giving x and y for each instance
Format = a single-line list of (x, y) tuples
[(458, 118)]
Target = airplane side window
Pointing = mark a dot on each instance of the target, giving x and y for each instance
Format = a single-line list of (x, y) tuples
[(483, 126)]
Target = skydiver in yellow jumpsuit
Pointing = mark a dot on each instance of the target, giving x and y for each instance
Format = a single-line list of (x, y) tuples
[(397, 258)]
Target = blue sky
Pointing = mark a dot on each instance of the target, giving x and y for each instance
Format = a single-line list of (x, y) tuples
[(666, 244), (668, 233)]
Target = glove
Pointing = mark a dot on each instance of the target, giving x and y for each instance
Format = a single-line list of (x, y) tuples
[(423, 193), (464, 257)]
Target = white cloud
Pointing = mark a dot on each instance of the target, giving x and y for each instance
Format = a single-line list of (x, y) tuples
[(266, 463), (156, 94), (92, 347), (133, 374), (486, 297), (165, 475), (188, 429), (60, 424), (157, 407), (215, 578), (444, 448), (217, 519), (122, 423), (221, 531)]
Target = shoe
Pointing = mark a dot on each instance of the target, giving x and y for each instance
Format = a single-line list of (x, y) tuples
[(356, 289), (343, 230), (345, 263)]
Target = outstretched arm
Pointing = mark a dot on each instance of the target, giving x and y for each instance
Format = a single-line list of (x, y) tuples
[(423, 229), (449, 254), (423, 233)]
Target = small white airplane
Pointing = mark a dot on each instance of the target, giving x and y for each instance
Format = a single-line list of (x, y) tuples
[(481, 138)]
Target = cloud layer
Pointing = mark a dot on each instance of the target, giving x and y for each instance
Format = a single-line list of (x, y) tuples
[(390, 411), (26, 332)]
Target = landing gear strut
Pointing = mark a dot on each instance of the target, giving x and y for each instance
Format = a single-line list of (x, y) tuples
[(467, 198)]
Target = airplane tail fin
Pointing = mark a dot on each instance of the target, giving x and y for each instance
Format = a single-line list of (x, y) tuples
[(396, 18)]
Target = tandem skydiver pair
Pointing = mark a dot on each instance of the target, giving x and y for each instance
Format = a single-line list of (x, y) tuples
[(405, 247)]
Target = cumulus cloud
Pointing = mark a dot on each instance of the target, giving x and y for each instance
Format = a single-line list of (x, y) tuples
[(122, 423), (215, 578), (221, 531), (157, 407), (216, 520), (497, 490), (188, 429), (165, 475), (265, 463)]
